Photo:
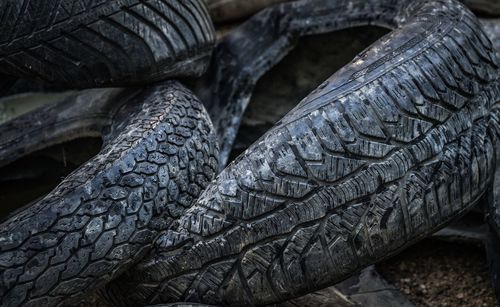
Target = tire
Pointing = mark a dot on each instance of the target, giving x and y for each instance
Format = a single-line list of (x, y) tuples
[(13, 86), (492, 242), (223, 11), (101, 43), (229, 97), (492, 207), (391, 148), (492, 29), (159, 153)]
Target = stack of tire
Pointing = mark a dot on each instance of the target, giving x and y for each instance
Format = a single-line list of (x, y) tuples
[(391, 148)]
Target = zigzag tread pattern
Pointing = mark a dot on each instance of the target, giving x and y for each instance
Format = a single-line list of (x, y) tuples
[(344, 182), (97, 43), (105, 215)]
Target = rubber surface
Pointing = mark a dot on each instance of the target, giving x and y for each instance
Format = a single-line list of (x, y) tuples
[(98, 43), (159, 153), (492, 28), (493, 239), (492, 242), (240, 60), (391, 148), (225, 11)]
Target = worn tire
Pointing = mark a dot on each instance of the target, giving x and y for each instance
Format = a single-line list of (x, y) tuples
[(391, 148), (492, 241), (228, 11), (493, 236), (237, 65), (159, 153), (101, 43), (492, 28)]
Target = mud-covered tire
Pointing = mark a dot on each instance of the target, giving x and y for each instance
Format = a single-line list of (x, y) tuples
[(99, 43), (159, 153), (391, 148)]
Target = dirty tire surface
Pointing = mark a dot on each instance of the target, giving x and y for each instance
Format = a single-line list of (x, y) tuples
[(224, 11), (492, 28), (388, 150), (99, 43), (159, 153)]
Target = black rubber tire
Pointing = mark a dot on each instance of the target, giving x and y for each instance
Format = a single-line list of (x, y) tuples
[(236, 69), (159, 153), (226, 11), (96, 43), (391, 148), (492, 28), (13, 86)]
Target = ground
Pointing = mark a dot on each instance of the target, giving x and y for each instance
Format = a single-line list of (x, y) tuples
[(442, 273)]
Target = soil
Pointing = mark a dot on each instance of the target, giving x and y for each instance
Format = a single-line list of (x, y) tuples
[(442, 273)]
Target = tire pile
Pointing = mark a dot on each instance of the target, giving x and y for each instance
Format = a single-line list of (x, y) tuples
[(390, 149)]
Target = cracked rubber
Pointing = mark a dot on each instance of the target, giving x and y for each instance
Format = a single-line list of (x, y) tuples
[(159, 153), (96, 43), (390, 149)]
